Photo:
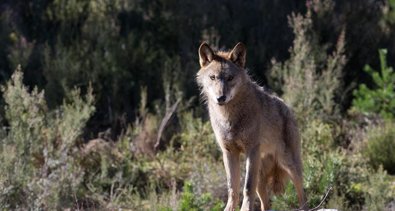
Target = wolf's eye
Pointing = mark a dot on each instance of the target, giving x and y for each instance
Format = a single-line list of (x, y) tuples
[(212, 77), (230, 78)]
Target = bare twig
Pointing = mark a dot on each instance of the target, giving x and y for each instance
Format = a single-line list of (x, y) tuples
[(320, 204), (322, 200), (165, 121)]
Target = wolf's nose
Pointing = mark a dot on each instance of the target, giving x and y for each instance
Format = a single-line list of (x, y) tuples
[(221, 99)]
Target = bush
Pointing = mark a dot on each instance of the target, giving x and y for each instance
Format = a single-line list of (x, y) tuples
[(359, 187), (190, 201), (353, 187), (378, 190), (39, 161), (380, 99), (380, 147), (310, 78)]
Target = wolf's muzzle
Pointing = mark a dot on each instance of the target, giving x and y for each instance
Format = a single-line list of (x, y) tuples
[(221, 99)]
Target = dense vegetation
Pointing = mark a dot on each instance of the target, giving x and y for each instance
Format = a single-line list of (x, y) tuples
[(99, 107)]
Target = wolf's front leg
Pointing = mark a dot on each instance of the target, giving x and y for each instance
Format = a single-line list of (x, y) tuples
[(232, 168), (251, 178)]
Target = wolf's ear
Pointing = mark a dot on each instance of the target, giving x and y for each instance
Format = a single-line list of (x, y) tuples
[(206, 55), (238, 55)]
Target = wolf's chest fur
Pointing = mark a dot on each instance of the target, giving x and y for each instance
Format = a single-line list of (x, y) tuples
[(232, 130), (226, 129)]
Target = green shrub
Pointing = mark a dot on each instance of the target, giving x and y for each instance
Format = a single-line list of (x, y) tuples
[(380, 99), (378, 190), (380, 147), (389, 12), (39, 161), (357, 184), (310, 78), (362, 187), (190, 201), (116, 174)]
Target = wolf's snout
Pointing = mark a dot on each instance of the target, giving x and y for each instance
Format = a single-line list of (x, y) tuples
[(221, 99)]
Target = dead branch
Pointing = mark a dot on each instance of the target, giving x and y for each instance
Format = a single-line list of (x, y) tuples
[(165, 121), (320, 204), (322, 200)]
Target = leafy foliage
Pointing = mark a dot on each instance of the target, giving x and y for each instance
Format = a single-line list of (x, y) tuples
[(311, 78), (380, 147), (381, 98), (378, 190), (38, 152), (190, 202)]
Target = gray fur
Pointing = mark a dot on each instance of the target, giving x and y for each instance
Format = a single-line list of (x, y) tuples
[(253, 122)]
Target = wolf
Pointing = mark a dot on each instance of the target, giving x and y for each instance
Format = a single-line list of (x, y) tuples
[(248, 119)]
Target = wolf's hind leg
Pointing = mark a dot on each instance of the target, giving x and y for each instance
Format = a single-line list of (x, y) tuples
[(297, 180), (293, 168), (291, 160)]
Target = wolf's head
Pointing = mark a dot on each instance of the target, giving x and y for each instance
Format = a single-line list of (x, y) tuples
[(221, 73)]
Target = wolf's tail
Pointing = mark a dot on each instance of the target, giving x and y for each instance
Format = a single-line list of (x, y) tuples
[(274, 177), (278, 180)]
